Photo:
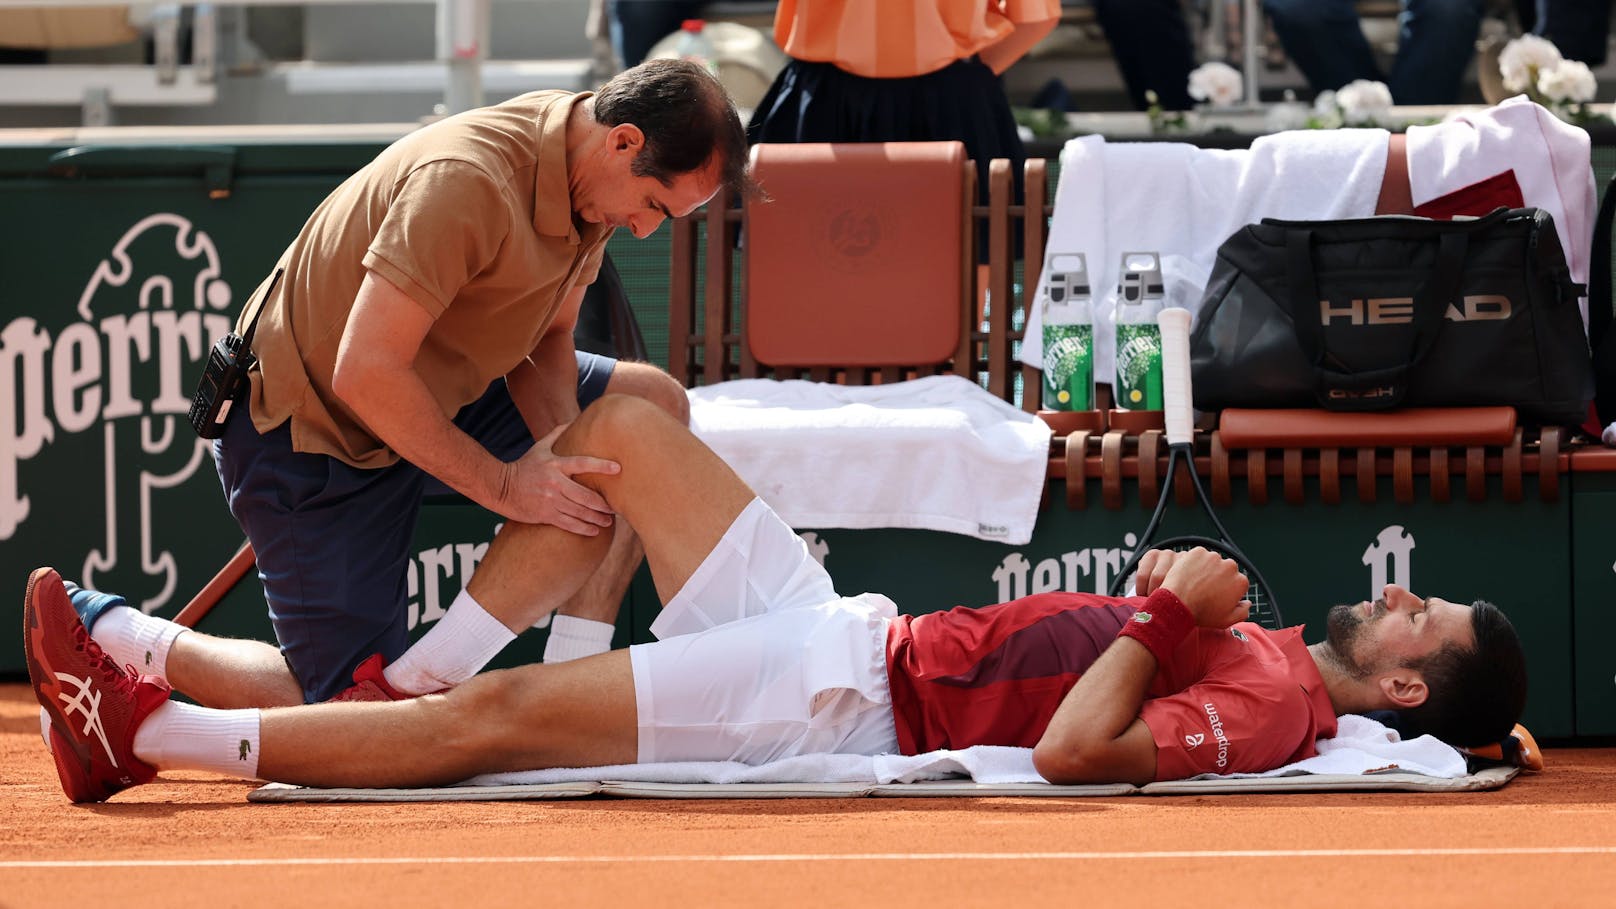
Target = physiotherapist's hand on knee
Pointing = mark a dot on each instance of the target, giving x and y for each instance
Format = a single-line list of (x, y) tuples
[(538, 488)]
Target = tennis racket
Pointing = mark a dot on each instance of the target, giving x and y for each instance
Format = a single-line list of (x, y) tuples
[(1175, 345)]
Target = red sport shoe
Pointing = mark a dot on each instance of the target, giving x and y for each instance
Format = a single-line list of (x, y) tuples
[(94, 706), (370, 684)]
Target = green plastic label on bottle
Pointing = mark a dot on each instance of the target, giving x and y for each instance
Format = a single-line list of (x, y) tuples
[(1068, 367), (1139, 376)]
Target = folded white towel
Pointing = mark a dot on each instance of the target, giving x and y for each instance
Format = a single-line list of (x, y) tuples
[(1182, 202), (1361, 745), (938, 453)]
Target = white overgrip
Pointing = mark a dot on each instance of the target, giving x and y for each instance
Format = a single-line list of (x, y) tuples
[(1175, 351)]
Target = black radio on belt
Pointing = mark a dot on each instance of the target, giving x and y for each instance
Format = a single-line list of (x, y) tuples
[(224, 379)]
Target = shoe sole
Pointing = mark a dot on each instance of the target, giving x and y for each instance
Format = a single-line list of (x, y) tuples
[(65, 752)]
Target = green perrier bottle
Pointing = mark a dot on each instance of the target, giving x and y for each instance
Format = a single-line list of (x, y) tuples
[(1068, 316), (1139, 299)]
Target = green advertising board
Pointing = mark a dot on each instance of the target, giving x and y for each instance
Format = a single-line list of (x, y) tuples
[(124, 265)]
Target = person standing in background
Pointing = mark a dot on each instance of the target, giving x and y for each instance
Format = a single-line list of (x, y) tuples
[(902, 71), (1150, 40)]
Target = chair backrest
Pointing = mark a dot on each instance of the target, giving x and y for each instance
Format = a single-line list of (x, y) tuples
[(857, 255), (863, 268)]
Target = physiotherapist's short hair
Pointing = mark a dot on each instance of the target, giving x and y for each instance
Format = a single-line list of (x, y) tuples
[(686, 117), (1475, 696)]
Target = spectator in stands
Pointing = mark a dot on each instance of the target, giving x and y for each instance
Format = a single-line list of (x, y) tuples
[(1436, 40), (420, 341), (1151, 42), (902, 70), (759, 660)]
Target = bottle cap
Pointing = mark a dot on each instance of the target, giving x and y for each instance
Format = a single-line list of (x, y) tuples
[(693, 25)]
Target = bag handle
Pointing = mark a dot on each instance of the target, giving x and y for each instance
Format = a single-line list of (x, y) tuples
[(1370, 389)]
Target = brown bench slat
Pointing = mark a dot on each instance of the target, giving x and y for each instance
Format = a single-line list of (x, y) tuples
[(1306, 428)]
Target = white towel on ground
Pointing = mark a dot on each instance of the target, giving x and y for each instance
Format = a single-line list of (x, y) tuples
[(1361, 745), (1182, 202), (938, 453)]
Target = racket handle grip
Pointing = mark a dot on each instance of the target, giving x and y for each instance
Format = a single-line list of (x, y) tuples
[(1175, 352)]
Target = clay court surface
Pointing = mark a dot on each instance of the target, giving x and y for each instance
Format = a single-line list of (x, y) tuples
[(192, 840)]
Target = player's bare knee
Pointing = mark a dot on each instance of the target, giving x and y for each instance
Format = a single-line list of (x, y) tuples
[(612, 426), (642, 380)]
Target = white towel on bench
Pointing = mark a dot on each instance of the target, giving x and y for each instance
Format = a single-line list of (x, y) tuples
[(1182, 202), (1360, 746), (938, 453)]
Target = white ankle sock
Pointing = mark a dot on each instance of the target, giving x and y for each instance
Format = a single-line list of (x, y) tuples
[(133, 638), (572, 637), (181, 736), (460, 644)]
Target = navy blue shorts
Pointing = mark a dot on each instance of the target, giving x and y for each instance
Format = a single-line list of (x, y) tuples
[(333, 541)]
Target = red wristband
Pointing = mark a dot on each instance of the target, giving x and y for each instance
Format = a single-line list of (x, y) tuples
[(1161, 625)]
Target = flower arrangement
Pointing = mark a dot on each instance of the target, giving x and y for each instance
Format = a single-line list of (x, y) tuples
[(1533, 65), (1359, 103), (1217, 84), (1214, 84)]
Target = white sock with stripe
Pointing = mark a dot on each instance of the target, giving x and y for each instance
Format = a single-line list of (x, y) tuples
[(133, 638), (453, 650), (181, 736)]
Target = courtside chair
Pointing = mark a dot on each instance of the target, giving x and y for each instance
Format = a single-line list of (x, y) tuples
[(857, 267)]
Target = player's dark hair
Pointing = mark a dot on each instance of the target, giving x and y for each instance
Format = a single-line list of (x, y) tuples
[(686, 116), (1475, 697)]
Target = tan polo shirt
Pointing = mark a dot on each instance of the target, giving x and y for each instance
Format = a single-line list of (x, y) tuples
[(470, 216)]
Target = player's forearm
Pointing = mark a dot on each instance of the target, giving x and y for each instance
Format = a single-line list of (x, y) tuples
[(1003, 54), (1096, 735)]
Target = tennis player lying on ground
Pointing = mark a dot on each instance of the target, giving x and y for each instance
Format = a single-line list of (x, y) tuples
[(759, 659)]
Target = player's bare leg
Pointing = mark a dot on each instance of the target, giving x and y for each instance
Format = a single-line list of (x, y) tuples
[(602, 594), (576, 714), (231, 672)]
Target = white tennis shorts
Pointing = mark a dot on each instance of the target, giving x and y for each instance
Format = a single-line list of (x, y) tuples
[(760, 660)]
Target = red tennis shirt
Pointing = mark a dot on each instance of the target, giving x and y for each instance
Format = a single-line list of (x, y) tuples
[(1232, 700)]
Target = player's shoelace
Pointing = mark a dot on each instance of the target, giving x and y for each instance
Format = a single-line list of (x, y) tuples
[(121, 679)]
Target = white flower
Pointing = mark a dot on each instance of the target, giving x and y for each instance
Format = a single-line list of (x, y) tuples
[(1567, 81), (1523, 57), (1362, 101), (1287, 114), (1326, 112), (1218, 83)]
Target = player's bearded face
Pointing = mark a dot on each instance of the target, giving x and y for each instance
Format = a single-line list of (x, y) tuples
[(1344, 628)]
